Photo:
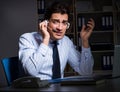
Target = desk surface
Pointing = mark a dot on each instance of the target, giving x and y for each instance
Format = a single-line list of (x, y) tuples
[(111, 85)]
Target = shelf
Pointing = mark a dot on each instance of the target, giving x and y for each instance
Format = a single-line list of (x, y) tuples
[(100, 72), (104, 21), (102, 51), (102, 40)]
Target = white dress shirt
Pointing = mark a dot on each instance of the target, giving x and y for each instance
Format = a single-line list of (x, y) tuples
[(37, 60)]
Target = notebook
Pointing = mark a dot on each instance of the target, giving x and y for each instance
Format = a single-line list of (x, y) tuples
[(83, 80), (80, 80)]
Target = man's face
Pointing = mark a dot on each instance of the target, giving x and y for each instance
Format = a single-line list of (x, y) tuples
[(57, 25)]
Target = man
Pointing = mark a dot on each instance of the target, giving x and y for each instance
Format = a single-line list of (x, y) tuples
[(36, 48)]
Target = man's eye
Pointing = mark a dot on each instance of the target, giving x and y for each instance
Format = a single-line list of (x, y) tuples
[(55, 22), (65, 23)]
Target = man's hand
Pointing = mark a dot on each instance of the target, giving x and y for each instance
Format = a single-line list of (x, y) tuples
[(43, 30), (86, 32)]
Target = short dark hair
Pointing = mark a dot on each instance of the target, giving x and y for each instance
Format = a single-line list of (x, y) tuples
[(57, 7)]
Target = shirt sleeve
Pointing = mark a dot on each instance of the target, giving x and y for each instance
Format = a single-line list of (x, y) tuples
[(31, 54), (82, 62), (87, 61)]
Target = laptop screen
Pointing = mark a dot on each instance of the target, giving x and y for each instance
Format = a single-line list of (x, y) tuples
[(116, 62)]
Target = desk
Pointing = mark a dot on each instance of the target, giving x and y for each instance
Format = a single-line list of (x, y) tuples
[(111, 85)]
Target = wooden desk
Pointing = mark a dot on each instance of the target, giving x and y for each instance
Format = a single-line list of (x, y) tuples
[(111, 85)]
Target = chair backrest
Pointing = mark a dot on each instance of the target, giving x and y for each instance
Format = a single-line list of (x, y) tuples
[(12, 68)]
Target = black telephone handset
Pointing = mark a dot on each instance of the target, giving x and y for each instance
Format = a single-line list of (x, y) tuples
[(86, 22), (29, 82)]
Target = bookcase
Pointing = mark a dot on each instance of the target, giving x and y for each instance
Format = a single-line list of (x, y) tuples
[(102, 40), (106, 34)]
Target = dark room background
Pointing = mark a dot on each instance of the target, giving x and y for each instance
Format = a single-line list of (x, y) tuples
[(16, 18)]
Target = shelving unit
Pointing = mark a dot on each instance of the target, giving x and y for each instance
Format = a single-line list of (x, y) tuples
[(106, 34), (102, 39)]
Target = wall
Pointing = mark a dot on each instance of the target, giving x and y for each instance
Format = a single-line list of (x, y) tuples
[(16, 18)]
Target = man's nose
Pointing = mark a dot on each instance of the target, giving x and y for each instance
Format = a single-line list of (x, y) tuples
[(60, 26)]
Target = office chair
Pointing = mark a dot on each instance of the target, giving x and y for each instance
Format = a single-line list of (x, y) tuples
[(12, 68)]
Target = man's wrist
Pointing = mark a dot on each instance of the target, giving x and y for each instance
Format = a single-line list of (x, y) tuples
[(85, 44), (46, 41)]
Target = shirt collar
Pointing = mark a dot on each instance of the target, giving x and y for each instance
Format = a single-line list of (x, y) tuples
[(58, 41)]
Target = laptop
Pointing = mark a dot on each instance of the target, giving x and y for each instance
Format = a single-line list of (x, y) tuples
[(95, 78), (116, 63)]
